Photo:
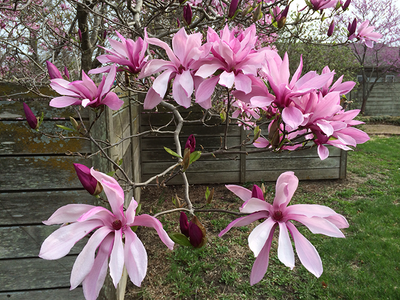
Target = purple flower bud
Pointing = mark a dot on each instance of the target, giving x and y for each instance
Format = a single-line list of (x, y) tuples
[(104, 34), (88, 181), (80, 34), (66, 73), (285, 12), (187, 14), (196, 235), (257, 192), (53, 71), (331, 28), (352, 28), (184, 224), (232, 8), (346, 5), (30, 117), (191, 143)]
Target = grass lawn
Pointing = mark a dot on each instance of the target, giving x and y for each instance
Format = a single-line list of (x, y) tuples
[(364, 265)]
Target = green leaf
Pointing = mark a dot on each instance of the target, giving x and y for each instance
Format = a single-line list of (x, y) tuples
[(111, 173), (172, 152), (207, 193), (194, 156), (180, 239), (65, 128), (223, 116)]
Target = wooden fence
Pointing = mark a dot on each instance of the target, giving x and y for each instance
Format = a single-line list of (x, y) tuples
[(233, 168)]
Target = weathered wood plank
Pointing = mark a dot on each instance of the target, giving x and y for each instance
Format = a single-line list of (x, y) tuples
[(202, 178), (25, 241), (199, 129), (309, 174), (51, 294), (13, 110), (34, 207), (208, 142), (35, 273), (39, 172), (16, 137), (198, 166), (292, 164)]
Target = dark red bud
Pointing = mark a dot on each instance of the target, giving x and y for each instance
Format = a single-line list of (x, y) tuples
[(197, 233), (232, 8), (30, 117), (191, 143), (53, 71), (331, 28), (257, 192), (88, 181), (352, 27), (184, 224), (187, 14), (346, 4)]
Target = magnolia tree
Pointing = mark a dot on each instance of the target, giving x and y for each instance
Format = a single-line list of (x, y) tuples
[(231, 65)]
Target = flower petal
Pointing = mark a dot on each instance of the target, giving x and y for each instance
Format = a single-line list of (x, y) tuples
[(64, 101), (253, 205), (260, 266), (239, 191), (307, 253), (135, 258), (258, 237), (319, 225), (60, 242), (85, 260), (68, 213), (246, 220), (286, 185), (285, 249), (149, 221), (117, 258)]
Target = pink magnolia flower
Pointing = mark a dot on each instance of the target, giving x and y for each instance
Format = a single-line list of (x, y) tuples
[(365, 34), (112, 238), (322, 4), (127, 53), (186, 50), (317, 218), (234, 56), (84, 92)]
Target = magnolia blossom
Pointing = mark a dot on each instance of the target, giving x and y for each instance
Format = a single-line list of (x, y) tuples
[(323, 4), (112, 237), (186, 51), (317, 218), (365, 34), (84, 92), (127, 53)]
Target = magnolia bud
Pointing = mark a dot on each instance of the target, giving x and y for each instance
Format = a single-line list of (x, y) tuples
[(53, 71), (331, 28), (257, 192), (184, 224), (30, 117), (197, 233), (66, 73), (187, 14), (352, 28), (191, 143), (232, 8), (88, 181), (346, 5)]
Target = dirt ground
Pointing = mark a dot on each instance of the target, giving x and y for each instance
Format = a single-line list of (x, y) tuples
[(160, 199)]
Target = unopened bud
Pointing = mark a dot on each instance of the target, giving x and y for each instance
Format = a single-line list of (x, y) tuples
[(187, 14), (331, 28), (30, 117), (88, 181)]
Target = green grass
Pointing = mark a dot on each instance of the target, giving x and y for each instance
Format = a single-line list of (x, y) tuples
[(364, 265)]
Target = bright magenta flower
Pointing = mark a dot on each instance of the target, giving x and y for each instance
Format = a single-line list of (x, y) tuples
[(127, 53), (113, 239), (317, 218), (84, 92), (186, 51)]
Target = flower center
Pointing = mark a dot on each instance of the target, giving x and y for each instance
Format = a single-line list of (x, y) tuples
[(277, 216), (117, 224)]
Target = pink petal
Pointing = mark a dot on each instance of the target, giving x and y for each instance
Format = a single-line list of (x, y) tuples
[(179, 94), (60, 242), (246, 220), (186, 81), (325, 127), (112, 101), (100, 70), (206, 89), (258, 237), (243, 83), (323, 152), (135, 258), (68, 213), (85, 260), (152, 99), (109, 81), (253, 205), (63, 87), (155, 66), (260, 265), (130, 212), (227, 79), (149, 221), (307, 253), (117, 258), (89, 84), (159, 43), (64, 101), (292, 116), (261, 143), (160, 84), (286, 185), (285, 249), (113, 190), (93, 282), (208, 69), (239, 191), (319, 225), (97, 212)]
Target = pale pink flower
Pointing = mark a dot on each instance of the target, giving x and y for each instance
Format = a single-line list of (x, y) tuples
[(84, 92), (323, 4), (365, 34), (186, 51), (319, 219), (127, 53), (112, 237)]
